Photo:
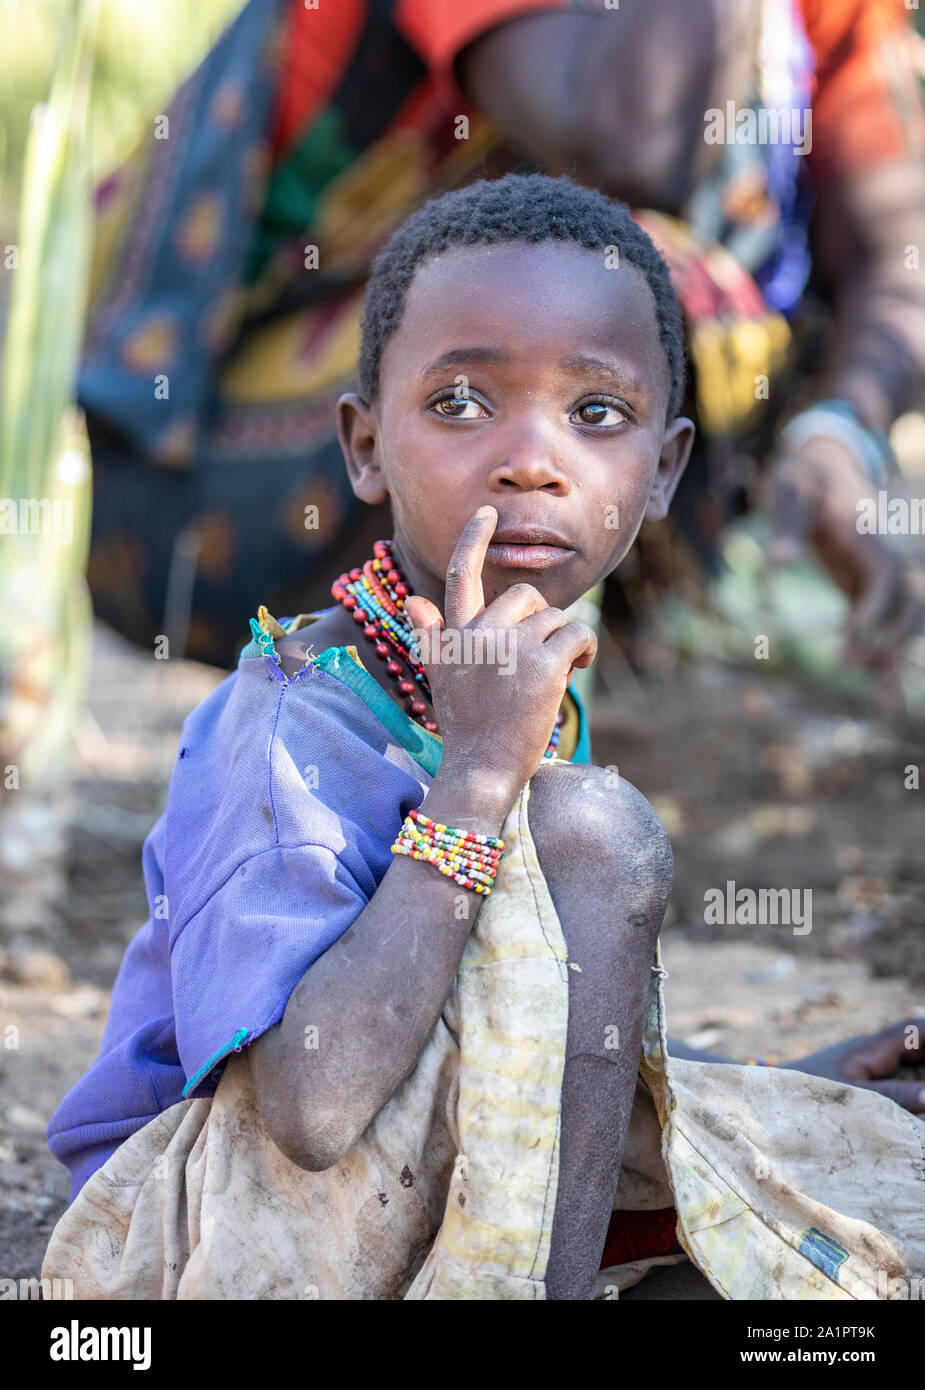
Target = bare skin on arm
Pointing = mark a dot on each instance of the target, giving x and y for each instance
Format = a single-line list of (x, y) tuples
[(616, 97), (865, 222)]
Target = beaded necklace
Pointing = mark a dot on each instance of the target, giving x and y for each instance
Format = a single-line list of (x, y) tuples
[(375, 595)]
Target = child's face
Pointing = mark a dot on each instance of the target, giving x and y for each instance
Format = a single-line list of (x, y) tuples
[(531, 378)]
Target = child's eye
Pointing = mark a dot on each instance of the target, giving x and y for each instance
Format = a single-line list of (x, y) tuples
[(597, 413), (456, 408)]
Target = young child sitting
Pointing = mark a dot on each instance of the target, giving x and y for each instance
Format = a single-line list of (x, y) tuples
[(395, 1026)]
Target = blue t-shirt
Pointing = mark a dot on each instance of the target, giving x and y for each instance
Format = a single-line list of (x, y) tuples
[(281, 811)]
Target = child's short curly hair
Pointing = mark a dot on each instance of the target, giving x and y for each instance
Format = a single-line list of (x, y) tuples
[(518, 207)]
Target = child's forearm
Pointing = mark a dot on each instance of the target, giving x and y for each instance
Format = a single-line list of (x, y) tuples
[(376, 994)]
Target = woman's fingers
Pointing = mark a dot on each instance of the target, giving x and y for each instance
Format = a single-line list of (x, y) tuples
[(883, 620), (882, 587), (465, 598), (792, 506)]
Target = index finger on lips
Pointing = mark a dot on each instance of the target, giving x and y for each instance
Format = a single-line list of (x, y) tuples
[(465, 597)]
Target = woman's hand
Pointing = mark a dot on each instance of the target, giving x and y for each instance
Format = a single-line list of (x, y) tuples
[(814, 495), (876, 1062), (497, 674)]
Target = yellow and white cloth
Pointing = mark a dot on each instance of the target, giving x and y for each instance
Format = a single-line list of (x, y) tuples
[(786, 1186)]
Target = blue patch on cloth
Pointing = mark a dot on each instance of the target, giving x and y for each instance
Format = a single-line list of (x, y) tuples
[(824, 1252), (263, 640), (237, 1042)]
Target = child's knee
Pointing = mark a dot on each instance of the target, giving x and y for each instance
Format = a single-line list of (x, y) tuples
[(588, 823), (594, 806)]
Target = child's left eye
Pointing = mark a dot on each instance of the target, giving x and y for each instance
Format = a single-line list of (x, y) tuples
[(456, 408), (596, 413)]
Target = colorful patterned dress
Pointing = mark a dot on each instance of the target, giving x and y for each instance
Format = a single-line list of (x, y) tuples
[(232, 250)]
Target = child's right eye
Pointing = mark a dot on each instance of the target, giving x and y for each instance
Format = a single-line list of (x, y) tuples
[(455, 407)]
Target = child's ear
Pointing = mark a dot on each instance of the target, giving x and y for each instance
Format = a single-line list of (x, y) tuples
[(358, 432), (676, 449)]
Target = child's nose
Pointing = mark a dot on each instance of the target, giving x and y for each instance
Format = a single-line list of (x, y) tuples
[(531, 464)]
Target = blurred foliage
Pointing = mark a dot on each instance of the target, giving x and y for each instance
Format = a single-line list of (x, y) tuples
[(142, 52), (44, 622), (81, 80)]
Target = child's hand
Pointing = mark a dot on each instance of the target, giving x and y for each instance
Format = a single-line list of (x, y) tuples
[(889, 1062), (497, 674)]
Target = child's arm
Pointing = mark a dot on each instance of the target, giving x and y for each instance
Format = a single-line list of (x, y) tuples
[(887, 1062), (376, 994)]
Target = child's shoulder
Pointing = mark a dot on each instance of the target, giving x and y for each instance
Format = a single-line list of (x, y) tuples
[(296, 641), (285, 747), (279, 697), (282, 755)]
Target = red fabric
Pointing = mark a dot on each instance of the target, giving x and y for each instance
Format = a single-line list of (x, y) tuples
[(639, 1235), (440, 29), (318, 46), (867, 106)]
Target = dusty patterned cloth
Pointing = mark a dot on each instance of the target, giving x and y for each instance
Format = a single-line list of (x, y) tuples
[(786, 1186)]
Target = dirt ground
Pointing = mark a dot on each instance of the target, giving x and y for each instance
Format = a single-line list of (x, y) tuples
[(758, 780)]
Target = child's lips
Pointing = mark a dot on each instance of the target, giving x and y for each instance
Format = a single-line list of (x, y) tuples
[(517, 555)]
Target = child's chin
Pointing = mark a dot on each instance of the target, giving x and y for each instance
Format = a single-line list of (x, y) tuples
[(557, 589)]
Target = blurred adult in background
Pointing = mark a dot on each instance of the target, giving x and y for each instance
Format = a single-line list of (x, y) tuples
[(233, 247)]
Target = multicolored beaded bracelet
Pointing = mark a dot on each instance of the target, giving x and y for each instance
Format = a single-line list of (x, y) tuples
[(427, 824), (470, 860)]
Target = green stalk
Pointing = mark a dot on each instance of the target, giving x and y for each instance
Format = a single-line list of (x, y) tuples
[(44, 622)]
